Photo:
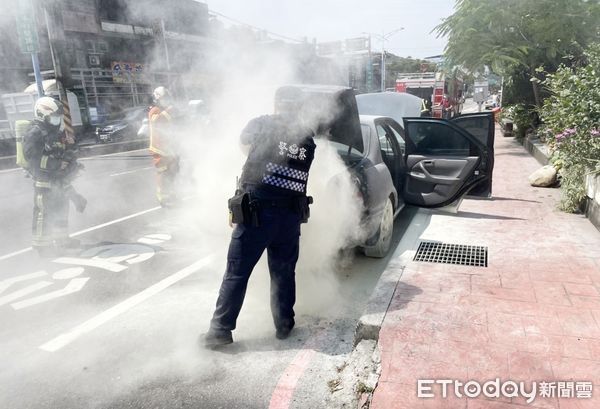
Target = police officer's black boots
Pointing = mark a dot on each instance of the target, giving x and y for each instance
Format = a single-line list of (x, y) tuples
[(216, 338), (284, 331)]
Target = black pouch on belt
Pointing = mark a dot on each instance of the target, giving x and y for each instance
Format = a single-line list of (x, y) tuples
[(239, 208), (304, 208)]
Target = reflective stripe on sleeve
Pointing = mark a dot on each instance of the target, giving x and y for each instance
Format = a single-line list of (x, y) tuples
[(44, 162)]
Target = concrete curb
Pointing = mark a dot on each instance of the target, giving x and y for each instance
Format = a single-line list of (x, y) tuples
[(369, 324), (591, 206), (537, 149), (85, 151)]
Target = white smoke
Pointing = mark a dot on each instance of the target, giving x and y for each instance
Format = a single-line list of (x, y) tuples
[(212, 159)]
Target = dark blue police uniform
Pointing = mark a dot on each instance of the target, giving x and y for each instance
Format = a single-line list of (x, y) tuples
[(275, 176)]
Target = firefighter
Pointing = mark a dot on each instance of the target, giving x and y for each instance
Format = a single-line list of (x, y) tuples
[(161, 120), (426, 107), (447, 108), (53, 165), (268, 208)]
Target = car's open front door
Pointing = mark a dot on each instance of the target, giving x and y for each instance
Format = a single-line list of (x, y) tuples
[(443, 162), (481, 125)]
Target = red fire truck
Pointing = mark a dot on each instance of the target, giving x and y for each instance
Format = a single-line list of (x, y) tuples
[(444, 94)]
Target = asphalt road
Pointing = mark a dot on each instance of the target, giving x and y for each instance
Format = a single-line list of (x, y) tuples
[(116, 325)]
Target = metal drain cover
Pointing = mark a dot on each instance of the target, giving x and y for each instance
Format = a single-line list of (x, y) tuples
[(464, 255)]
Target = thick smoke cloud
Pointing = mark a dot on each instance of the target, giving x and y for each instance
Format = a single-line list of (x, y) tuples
[(240, 79), (248, 75)]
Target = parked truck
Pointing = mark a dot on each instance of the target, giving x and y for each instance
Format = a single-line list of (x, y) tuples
[(444, 93), (19, 106)]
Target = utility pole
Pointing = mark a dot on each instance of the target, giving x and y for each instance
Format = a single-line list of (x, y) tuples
[(383, 38), (383, 62), (369, 68)]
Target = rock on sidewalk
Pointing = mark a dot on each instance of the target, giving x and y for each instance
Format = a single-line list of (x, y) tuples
[(543, 177)]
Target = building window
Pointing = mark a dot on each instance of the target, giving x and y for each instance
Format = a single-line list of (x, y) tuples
[(113, 10)]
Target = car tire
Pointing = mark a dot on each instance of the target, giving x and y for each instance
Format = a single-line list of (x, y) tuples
[(386, 229)]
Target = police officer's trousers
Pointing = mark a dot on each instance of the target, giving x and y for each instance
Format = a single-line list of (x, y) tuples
[(50, 213), (279, 234)]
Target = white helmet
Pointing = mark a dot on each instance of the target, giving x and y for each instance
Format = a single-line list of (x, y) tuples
[(161, 96), (49, 110)]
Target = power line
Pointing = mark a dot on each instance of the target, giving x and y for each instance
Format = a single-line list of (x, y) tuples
[(254, 27)]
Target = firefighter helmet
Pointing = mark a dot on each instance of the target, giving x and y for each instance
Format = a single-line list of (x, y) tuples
[(49, 110), (162, 96)]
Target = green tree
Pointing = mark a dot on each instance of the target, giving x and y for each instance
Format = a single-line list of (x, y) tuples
[(520, 35)]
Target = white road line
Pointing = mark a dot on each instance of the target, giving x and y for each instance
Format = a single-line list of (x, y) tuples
[(16, 253), (24, 291), (80, 232), (73, 286), (4, 284), (122, 219), (10, 170), (105, 316), (91, 262), (131, 171)]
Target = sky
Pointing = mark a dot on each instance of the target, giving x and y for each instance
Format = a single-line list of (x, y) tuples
[(332, 20)]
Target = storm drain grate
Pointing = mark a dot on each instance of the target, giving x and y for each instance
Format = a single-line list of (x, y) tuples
[(464, 255)]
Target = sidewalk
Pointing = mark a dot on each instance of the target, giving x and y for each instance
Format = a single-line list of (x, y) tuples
[(532, 315)]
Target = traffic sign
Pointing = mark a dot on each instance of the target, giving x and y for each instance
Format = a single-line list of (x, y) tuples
[(369, 78), (26, 28)]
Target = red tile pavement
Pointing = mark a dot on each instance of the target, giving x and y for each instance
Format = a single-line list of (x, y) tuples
[(532, 315)]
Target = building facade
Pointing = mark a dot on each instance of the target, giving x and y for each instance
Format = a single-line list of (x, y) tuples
[(112, 53)]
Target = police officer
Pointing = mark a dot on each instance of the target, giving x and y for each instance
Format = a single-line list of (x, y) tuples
[(161, 121), (53, 165), (274, 204)]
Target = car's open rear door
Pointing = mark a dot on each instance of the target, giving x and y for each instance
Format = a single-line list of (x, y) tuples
[(482, 126), (444, 162)]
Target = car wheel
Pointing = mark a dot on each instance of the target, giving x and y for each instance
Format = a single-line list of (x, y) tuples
[(386, 228)]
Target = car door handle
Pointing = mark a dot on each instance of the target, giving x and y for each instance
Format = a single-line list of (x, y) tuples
[(427, 162)]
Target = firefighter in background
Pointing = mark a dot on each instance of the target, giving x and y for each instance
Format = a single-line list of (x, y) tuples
[(446, 107), (52, 162), (426, 107), (267, 210), (163, 145)]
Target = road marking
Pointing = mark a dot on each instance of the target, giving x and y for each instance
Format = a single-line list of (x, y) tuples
[(10, 170), (65, 339), (284, 391), (79, 233), (113, 154), (122, 219), (16, 253), (73, 286), (23, 292), (131, 171), (120, 252), (152, 239), (92, 262), (68, 273), (4, 284)]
